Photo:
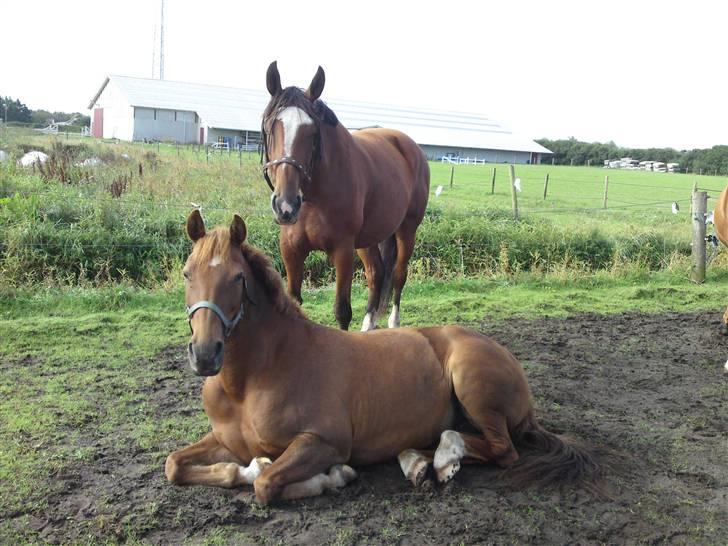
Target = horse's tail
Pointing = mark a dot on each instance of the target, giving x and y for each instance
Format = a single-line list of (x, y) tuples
[(551, 458), (388, 251)]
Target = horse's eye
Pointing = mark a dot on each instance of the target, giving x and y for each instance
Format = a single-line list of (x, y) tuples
[(239, 277), (186, 275)]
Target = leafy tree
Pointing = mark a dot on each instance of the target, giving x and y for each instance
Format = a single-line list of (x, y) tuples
[(16, 110)]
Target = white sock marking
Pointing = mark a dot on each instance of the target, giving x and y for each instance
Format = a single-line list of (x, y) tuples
[(368, 323), (726, 365), (292, 118), (448, 455), (338, 476), (253, 470), (394, 317)]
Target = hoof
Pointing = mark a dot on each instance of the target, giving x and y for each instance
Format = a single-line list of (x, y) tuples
[(447, 473), (414, 466), (340, 475)]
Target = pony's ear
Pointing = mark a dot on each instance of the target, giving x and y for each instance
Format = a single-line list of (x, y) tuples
[(317, 85), (195, 225), (273, 79), (238, 231)]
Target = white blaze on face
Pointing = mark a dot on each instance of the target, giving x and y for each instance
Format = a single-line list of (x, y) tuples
[(215, 261), (292, 118)]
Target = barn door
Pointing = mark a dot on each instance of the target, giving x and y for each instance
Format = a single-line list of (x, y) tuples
[(97, 129)]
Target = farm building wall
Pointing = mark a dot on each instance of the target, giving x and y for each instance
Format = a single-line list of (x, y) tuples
[(166, 125), (434, 153), (118, 116)]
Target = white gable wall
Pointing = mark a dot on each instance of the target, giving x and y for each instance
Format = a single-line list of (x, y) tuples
[(118, 114)]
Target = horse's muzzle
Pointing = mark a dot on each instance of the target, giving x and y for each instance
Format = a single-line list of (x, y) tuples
[(205, 358), (285, 212)]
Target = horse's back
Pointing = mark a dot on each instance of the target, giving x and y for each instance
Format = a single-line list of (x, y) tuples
[(720, 217)]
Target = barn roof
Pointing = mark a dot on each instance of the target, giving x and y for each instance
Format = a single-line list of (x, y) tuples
[(241, 109)]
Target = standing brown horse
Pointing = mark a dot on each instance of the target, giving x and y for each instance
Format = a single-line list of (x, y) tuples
[(313, 399), (337, 191), (720, 219)]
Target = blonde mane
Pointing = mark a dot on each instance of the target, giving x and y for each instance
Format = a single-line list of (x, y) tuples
[(216, 244)]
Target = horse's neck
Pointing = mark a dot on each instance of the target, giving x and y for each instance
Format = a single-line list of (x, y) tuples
[(338, 145)]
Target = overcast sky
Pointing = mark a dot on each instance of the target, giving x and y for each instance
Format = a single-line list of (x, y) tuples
[(638, 73)]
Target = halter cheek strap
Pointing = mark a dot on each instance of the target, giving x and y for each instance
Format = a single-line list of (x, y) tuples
[(290, 161), (227, 324)]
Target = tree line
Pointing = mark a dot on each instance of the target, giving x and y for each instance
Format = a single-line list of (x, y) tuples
[(571, 151), (17, 112)]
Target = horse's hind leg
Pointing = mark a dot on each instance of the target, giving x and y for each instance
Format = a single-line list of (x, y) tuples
[(374, 269), (209, 463), (405, 246), (495, 446), (414, 464), (724, 325)]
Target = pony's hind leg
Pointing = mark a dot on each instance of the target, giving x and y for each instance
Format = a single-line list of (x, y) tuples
[(414, 465), (374, 270), (494, 446), (209, 463)]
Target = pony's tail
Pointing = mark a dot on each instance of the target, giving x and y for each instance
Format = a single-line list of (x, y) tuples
[(551, 458), (388, 251)]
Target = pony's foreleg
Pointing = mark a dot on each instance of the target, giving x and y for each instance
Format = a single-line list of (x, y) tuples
[(343, 259), (209, 463), (374, 270), (308, 467), (293, 259)]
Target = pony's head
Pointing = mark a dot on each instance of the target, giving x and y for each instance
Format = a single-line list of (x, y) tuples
[(216, 291), (228, 285), (291, 133)]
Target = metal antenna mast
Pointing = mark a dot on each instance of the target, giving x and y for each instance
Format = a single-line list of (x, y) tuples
[(161, 44)]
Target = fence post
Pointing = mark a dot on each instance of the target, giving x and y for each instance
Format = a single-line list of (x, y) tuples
[(545, 186), (695, 188), (700, 206), (606, 190), (514, 198), (452, 175), (492, 183), (240, 157)]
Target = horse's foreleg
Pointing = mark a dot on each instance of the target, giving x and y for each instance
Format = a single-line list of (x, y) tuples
[(374, 270), (293, 259), (343, 258), (209, 463), (308, 467)]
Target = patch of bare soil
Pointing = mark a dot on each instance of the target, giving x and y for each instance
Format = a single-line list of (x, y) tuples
[(649, 388)]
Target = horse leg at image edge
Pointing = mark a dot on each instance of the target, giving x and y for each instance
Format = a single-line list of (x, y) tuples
[(724, 324), (209, 463), (405, 246), (301, 471), (374, 270)]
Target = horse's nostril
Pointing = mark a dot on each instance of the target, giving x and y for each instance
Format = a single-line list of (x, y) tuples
[(218, 348), (189, 349)]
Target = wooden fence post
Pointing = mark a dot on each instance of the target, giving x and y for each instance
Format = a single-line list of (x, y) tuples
[(545, 186), (514, 197), (452, 175), (606, 189), (492, 183), (700, 206)]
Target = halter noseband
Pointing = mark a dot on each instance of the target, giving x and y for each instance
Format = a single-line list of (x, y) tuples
[(227, 324), (289, 161)]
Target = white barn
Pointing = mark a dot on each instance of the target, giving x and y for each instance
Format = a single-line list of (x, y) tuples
[(146, 109)]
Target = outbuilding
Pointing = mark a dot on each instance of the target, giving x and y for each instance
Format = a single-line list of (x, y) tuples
[(134, 109)]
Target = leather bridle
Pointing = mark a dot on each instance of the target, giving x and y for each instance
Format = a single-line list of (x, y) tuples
[(289, 161)]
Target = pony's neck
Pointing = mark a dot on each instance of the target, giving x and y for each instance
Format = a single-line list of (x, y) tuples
[(251, 350)]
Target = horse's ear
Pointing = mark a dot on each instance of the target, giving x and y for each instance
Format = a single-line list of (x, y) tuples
[(195, 225), (273, 79), (238, 231), (317, 85)]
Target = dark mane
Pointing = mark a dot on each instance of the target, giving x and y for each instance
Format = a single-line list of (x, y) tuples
[(270, 281)]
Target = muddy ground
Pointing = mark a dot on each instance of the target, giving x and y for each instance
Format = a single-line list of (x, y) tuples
[(652, 389)]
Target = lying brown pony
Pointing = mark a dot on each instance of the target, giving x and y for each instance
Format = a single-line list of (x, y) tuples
[(314, 399)]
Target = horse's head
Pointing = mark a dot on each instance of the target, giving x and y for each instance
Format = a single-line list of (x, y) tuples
[(216, 290), (291, 138)]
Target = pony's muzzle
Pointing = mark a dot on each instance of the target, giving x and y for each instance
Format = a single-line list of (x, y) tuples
[(285, 211), (205, 358)]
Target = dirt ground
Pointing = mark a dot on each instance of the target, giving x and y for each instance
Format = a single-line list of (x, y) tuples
[(651, 389)]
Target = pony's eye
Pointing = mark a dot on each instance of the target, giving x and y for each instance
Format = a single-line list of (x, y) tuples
[(186, 275), (239, 277)]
